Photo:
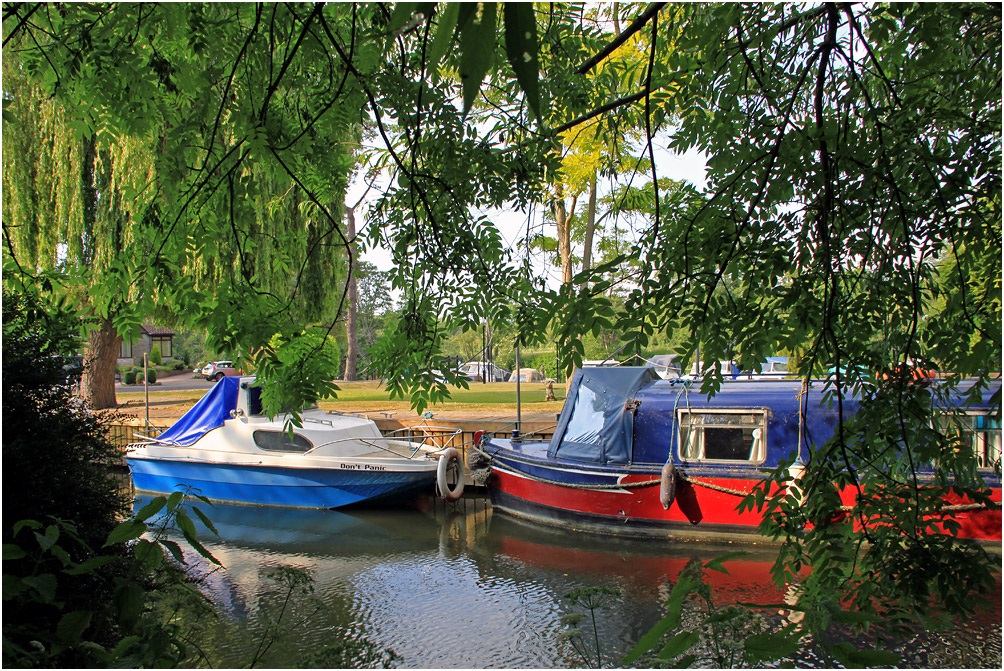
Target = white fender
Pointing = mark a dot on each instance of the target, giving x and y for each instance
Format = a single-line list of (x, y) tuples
[(450, 494), (795, 473), (667, 485)]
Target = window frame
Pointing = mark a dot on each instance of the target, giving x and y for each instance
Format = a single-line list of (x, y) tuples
[(759, 455), (296, 436), (948, 421)]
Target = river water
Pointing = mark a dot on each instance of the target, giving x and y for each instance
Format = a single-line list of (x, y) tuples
[(454, 586)]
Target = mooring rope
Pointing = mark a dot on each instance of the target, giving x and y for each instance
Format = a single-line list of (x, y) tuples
[(959, 507)]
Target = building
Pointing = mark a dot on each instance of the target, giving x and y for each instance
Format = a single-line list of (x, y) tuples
[(131, 353)]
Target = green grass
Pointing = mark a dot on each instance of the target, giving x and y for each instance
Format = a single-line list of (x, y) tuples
[(494, 396), (491, 398)]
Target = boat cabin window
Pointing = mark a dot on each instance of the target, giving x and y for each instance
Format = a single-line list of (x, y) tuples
[(586, 422), (254, 401), (982, 432), (280, 441), (723, 435)]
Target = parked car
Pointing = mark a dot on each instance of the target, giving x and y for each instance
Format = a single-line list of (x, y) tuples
[(773, 368), (476, 371), (730, 371), (217, 370)]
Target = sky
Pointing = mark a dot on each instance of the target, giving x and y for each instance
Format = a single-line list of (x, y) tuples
[(513, 225)]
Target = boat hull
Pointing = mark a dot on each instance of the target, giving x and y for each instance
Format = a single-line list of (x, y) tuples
[(705, 506), (269, 485), (708, 514)]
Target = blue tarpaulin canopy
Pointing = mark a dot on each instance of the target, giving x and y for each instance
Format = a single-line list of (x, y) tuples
[(209, 413), (597, 421)]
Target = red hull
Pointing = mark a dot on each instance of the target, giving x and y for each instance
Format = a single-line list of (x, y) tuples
[(698, 512)]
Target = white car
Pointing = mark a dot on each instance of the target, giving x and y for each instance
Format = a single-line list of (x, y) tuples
[(217, 370)]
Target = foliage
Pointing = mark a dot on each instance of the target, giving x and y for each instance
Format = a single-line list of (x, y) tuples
[(56, 456), (155, 357), (851, 215), (591, 599), (717, 637), (249, 225), (293, 583), (69, 622), (151, 375), (350, 652), (129, 377)]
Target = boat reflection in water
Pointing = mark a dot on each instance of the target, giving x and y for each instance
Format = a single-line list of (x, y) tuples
[(448, 585)]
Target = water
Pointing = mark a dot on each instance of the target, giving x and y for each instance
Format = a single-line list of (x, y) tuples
[(458, 587)]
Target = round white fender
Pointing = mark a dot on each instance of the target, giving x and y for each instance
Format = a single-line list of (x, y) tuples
[(448, 493), (667, 485)]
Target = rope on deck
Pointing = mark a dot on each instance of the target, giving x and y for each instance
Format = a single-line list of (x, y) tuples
[(959, 507)]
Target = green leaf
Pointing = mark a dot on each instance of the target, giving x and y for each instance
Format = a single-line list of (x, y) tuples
[(402, 14), (667, 624), (47, 540), (871, 658), (205, 520), (521, 49), (90, 565), (444, 33), (477, 40), (185, 524), (174, 549), (174, 499), (128, 600), (149, 553), (13, 551), (126, 531), (151, 508), (716, 563), (72, 625), (31, 524), (679, 644), (767, 647), (44, 584)]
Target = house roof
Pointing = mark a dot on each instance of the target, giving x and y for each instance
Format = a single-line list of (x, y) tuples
[(150, 329)]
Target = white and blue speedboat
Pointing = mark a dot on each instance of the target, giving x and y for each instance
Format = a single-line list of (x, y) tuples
[(226, 449)]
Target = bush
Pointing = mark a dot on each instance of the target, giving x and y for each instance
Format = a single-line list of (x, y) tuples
[(56, 459), (151, 375), (155, 355), (129, 377)]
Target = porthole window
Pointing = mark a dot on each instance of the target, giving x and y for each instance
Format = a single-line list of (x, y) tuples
[(723, 435), (280, 441)]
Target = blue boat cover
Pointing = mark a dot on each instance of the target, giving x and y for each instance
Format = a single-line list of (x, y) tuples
[(597, 422), (209, 413)]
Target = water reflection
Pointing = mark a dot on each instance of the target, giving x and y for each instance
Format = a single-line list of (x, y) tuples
[(443, 585)]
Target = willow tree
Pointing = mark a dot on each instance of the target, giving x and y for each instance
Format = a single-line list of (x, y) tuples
[(208, 149), (67, 218)]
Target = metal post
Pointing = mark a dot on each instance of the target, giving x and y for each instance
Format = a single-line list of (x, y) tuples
[(146, 391), (519, 417)]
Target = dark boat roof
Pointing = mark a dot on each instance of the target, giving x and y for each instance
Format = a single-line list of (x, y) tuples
[(604, 405)]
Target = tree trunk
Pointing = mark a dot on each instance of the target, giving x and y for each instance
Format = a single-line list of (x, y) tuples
[(564, 235), (587, 245), (97, 383), (351, 329)]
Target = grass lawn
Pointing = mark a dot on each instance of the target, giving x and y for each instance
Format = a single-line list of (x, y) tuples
[(490, 397), (494, 398)]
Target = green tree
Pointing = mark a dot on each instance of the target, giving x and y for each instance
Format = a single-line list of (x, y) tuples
[(853, 191), (223, 187)]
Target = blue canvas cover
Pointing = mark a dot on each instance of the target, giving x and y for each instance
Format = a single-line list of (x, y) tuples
[(596, 423), (209, 413)]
